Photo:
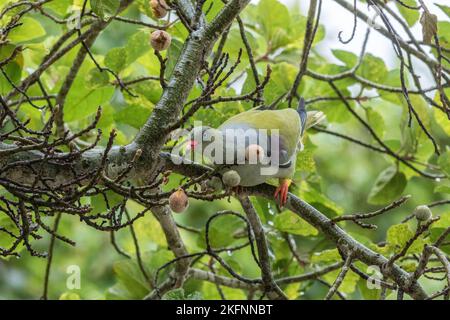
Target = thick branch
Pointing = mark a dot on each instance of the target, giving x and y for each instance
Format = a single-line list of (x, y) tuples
[(198, 46), (333, 232)]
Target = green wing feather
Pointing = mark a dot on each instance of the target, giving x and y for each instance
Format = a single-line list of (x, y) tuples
[(287, 121)]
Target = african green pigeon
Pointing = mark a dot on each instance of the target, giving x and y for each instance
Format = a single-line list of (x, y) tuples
[(258, 144)]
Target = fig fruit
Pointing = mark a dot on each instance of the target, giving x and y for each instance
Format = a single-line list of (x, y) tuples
[(160, 40), (423, 213), (178, 201), (231, 178), (159, 8)]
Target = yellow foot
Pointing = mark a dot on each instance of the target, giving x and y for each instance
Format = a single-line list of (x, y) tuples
[(281, 193)]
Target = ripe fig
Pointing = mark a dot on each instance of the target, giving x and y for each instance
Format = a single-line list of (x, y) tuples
[(178, 201), (159, 8), (160, 40)]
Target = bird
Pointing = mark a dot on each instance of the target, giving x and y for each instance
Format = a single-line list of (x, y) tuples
[(258, 144)]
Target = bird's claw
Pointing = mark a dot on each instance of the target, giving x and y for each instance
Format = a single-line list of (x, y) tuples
[(281, 193)]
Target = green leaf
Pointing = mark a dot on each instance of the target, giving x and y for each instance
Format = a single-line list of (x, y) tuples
[(27, 111), (348, 284), (116, 59), (444, 34), (194, 296), (411, 16), (305, 159), (118, 292), (388, 186), (129, 275), (131, 283), (6, 51), (444, 162), (373, 68), (99, 205), (349, 58), (266, 208), (279, 246), (282, 76), (335, 112), (319, 200), (443, 222), (96, 78), (444, 8), (137, 45), (290, 222), (214, 8), (376, 121), (414, 140), (273, 17), (442, 120), (422, 108), (153, 260), (5, 239), (105, 8), (442, 188), (234, 43), (179, 294), (60, 7), (398, 235), (30, 29), (209, 291), (176, 294), (150, 90), (330, 255), (408, 266), (221, 232), (147, 229), (13, 69), (368, 294), (83, 101), (133, 115), (439, 227)]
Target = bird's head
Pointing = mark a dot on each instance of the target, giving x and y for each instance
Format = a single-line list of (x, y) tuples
[(199, 138)]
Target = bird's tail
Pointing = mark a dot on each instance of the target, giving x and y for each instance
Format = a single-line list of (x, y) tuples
[(313, 118), (310, 118)]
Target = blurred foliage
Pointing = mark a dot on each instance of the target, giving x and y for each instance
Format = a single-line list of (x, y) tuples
[(335, 176)]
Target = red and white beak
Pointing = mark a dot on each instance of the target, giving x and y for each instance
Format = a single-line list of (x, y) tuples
[(191, 144)]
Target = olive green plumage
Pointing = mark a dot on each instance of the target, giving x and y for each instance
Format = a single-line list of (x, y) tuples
[(287, 121), (289, 124)]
